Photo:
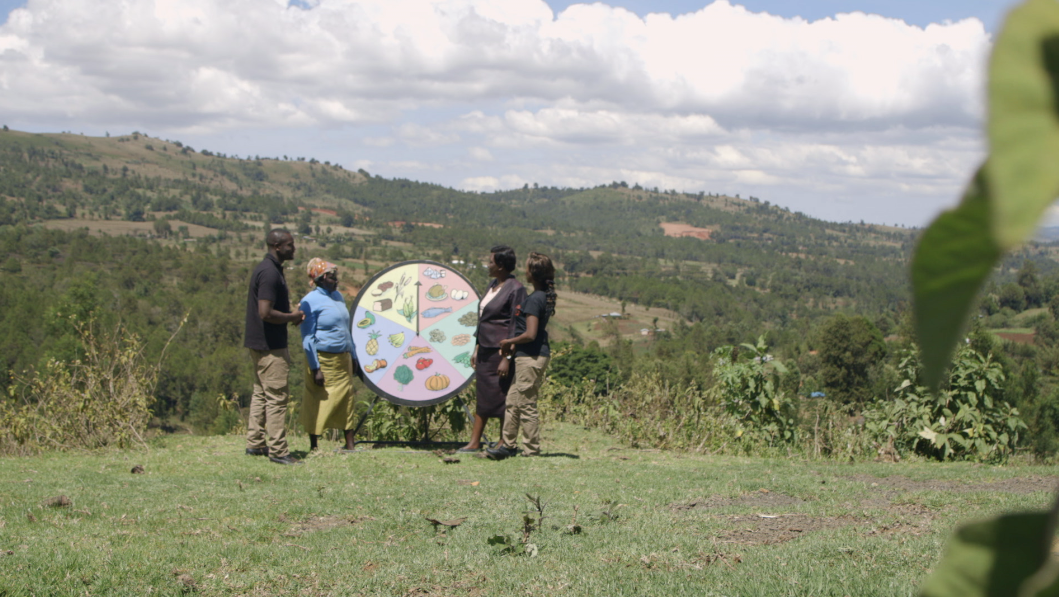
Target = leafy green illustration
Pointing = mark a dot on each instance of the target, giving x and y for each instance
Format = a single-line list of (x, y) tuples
[(403, 375)]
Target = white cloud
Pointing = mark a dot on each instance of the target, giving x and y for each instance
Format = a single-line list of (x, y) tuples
[(379, 141), (481, 154), (420, 136), (351, 61), (720, 95), (480, 183)]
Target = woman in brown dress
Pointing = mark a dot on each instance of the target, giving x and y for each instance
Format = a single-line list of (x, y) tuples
[(496, 322)]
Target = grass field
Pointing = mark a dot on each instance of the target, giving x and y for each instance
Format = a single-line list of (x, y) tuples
[(1012, 331), (205, 519), (582, 313)]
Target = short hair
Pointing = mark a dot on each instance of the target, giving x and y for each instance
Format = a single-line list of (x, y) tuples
[(276, 236), (504, 256)]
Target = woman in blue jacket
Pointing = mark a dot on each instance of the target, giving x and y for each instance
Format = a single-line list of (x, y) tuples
[(328, 345)]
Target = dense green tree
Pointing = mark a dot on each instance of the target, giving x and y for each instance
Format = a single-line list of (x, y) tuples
[(849, 348), (1027, 279), (1012, 296), (572, 364), (162, 227)]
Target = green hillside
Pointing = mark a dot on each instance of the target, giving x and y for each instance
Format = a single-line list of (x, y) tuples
[(755, 253), (141, 230)]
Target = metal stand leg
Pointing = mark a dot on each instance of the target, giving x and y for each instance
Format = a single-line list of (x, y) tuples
[(470, 417), (363, 418), (423, 443)]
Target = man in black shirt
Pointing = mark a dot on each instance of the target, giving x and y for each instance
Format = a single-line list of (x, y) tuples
[(267, 315)]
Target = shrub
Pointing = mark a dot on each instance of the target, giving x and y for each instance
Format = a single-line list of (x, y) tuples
[(645, 411), (1045, 425), (748, 390), (103, 398), (965, 419), (571, 364), (439, 422)]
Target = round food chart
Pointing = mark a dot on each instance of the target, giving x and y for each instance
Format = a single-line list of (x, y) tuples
[(413, 331)]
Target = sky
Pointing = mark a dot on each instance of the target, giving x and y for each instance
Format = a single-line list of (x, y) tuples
[(846, 110)]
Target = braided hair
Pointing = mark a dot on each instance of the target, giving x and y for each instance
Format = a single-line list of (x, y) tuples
[(543, 272)]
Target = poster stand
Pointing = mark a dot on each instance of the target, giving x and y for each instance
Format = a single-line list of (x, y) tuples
[(425, 442), (413, 325)]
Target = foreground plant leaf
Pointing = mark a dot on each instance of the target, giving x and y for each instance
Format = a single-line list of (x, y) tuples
[(1023, 121), (992, 558), (1005, 201), (954, 257)]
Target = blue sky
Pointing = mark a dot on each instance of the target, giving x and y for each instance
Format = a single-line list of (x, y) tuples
[(915, 12), (846, 110)]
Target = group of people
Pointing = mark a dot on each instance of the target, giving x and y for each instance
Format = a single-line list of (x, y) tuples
[(512, 352), (510, 356)]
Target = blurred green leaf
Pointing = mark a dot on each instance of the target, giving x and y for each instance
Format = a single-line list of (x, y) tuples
[(1023, 124), (954, 257), (992, 558)]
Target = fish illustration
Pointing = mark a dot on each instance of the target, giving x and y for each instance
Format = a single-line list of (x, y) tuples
[(434, 312)]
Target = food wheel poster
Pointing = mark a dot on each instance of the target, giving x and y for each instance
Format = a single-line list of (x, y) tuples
[(413, 326)]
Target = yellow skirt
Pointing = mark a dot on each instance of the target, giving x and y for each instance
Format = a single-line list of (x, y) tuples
[(330, 406)]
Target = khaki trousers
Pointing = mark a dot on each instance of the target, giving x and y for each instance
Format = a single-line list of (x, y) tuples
[(268, 403), (522, 405)]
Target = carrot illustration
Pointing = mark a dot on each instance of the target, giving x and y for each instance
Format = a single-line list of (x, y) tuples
[(414, 350)]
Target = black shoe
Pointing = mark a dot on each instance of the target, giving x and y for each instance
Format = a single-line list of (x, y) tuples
[(257, 451), (288, 459), (499, 453)]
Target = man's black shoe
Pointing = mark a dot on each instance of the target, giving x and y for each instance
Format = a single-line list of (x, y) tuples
[(257, 451), (499, 453), (288, 459)]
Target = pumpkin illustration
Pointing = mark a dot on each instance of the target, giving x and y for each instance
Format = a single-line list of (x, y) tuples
[(437, 382)]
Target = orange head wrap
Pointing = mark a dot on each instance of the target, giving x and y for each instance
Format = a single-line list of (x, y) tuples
[(318, 267)]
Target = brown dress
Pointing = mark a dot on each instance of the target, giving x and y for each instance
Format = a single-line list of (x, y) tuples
[(497, 322)]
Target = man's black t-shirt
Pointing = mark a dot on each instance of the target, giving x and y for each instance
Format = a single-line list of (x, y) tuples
[(267, 284), (535, 304)]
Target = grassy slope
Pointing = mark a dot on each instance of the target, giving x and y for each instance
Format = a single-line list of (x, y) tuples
[(165, 160), (206, 519)]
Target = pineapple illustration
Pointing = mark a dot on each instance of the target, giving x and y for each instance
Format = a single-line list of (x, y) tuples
[(372, 347)]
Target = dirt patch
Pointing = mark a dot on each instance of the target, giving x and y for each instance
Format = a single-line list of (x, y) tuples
[(1019, 338), (470, 588), (759, 499), (323, 523), (124, 228), (678, 230), (910, 519), (762, 530), (398, 224), (1019, 485), (318, 210)]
